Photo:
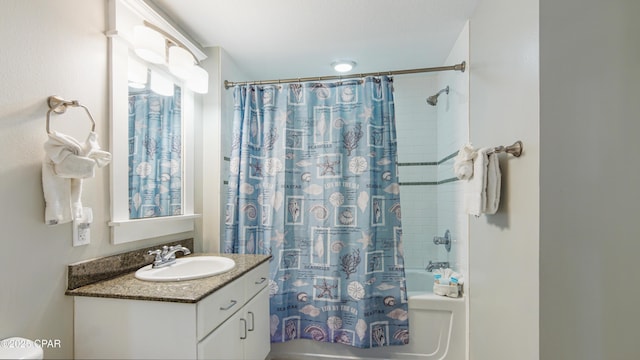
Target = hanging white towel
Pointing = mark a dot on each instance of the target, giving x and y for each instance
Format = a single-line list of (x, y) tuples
[(493, 185), (463, 162), (482, 195), (475, 191), (66, 163)]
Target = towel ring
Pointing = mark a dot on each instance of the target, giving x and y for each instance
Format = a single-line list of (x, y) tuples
[(58, 105)]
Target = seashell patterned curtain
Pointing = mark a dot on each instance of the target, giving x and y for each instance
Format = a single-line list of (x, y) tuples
[(155, 154), (313, 182)]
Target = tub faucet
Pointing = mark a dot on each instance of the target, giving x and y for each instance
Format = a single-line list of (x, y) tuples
[(167, 255), (437, 265)]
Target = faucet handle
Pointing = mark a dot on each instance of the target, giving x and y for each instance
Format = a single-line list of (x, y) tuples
[(157, 253)]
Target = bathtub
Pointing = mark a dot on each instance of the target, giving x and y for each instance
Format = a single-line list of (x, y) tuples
[(436, 325)]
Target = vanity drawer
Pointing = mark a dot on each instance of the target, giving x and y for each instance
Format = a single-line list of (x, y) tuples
[(219, 306), (256, 280)]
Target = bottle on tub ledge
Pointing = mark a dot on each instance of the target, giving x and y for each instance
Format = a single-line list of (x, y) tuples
[(447, 282)]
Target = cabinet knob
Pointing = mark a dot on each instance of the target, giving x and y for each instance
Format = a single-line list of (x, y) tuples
[(262, 279)]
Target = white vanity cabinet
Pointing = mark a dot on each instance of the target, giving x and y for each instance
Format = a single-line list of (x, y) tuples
[(231, 323), (244, 336)]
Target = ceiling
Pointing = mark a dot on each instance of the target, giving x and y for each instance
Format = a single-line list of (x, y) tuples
[(295, 38)]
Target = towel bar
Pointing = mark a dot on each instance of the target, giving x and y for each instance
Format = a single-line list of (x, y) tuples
[(515, 149)]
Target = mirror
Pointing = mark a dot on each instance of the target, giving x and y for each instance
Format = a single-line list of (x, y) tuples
[(155, 150), (151, 122)]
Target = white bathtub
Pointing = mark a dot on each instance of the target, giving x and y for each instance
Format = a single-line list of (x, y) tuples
[(436, 325)]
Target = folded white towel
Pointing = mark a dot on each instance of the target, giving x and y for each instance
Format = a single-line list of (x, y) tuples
[(475, 191), (493, 185), (66, 163), (482, 194), (463, 162)]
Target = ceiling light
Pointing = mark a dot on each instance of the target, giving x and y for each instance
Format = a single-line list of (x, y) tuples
[(343, 65)]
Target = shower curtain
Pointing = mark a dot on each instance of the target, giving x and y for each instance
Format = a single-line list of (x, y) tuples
[(313, 182), (155, 154)]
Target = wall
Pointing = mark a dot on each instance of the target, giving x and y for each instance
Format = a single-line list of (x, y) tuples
[(504, 248), (48, 50), (229, 71), (589, 176), (210, 164)]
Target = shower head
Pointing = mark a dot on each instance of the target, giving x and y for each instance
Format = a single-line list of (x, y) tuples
[(433, 99)]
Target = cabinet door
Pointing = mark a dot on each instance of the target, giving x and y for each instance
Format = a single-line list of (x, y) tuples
[(225, 343), (258, 342)]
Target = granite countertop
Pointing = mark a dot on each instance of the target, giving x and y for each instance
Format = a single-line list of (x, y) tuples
[(188, 291)]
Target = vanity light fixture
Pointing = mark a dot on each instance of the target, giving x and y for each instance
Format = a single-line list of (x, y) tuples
[(160, 85), (198, 80), (343, 65), (149, 44), (136, 74), (180, 62), (158, 47)]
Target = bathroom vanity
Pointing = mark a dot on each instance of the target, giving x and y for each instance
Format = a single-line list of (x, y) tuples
[(224, 316)]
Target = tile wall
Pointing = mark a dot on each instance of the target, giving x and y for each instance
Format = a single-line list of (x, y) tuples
[(417, 165), (428, 138)]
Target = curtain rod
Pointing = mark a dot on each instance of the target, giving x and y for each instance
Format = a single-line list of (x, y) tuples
[(458, 67)]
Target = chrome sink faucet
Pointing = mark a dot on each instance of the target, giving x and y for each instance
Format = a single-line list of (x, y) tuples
[(167, 255)]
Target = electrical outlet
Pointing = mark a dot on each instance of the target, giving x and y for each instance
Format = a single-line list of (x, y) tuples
[(82, 228)]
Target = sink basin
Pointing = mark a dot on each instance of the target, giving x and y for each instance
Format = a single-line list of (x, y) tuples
[(187, 268)]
